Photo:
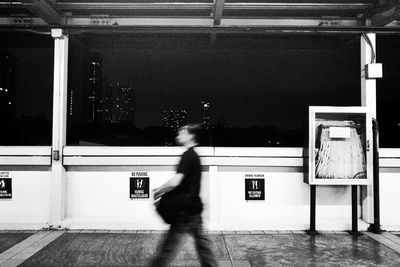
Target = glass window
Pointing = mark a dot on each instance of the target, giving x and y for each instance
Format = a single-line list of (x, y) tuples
[(387, 91), (26, 86), (246, 90)]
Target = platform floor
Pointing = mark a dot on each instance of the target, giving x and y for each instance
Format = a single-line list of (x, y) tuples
[(258, 248)]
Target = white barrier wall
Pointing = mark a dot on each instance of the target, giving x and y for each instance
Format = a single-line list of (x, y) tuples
[(29, 171), (97, 189), (389, 161)]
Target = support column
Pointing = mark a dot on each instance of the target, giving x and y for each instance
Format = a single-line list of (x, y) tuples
[(214, 200), (59, 126), (368, 99)]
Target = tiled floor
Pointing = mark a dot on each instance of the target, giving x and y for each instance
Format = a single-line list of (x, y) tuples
[(11, 238), (261, 248)]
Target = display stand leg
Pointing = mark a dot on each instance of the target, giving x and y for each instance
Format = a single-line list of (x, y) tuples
[(354, 210), (376, 226), (312, 210)]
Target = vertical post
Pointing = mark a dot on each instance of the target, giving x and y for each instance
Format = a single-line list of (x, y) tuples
[(376, 227), (59, 126), (368, 99), (214, 200), (354, 208), (312, 207)]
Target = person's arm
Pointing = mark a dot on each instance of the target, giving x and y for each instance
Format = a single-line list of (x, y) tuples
[(170, 184)]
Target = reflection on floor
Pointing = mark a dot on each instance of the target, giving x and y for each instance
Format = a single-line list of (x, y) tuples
[(131, 248)]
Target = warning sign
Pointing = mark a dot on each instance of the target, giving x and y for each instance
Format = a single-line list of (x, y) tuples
[(255, 189), (5, 186), (139, 185)]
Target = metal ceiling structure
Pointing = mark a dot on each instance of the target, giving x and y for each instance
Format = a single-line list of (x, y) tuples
[(202, 16)]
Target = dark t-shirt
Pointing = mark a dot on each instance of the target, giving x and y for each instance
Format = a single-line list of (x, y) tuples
[(190, 167)]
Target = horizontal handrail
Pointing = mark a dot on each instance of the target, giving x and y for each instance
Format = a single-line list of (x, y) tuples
[(25, 155), (218, 156)]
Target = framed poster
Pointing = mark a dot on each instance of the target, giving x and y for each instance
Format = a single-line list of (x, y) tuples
[(339, 149)]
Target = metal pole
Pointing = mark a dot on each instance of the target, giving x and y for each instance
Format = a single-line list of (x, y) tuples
[(376, 227), (312, 208), (354, 219)]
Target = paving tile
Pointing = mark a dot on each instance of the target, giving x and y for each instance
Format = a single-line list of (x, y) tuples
[(326, 232), (130, 231), (242, 232), (241, 263), (101, 231), (87, 231), (231, 250), (23, 255), (298, 232), (115, 231), (340, 232), (257, 232), (159, 232), (270, 232), (224, 263), (12, 263), (284, 232), (143, 232), (214, 232), (74, 231), (6, 255), (229, 232)]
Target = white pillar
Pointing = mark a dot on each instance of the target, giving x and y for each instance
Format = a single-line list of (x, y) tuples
[(368, 99), (214, 199), (59, 126)]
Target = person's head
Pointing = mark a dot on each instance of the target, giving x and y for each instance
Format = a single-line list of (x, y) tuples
[(188, 134)]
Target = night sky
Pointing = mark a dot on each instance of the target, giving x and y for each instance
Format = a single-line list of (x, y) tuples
[(247, 85)]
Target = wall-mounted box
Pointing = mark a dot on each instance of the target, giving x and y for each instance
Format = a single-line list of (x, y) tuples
[(339, 148)]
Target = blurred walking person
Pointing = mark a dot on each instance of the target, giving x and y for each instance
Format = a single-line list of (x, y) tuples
[(185, 184)]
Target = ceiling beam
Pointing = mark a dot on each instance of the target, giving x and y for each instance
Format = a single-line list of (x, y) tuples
[(44, 9), (182, 29), (114, 5), (218, 10)]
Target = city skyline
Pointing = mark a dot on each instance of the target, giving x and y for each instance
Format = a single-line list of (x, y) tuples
[(248, 87)]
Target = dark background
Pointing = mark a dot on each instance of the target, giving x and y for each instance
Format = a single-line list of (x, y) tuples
[(259, 86)]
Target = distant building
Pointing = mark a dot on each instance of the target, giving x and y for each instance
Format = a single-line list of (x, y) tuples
[(71, 103), (173, 119), (7, 86), (119, 103), (95, 100), (205, 114)]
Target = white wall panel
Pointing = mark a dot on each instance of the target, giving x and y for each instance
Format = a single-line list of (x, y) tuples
[(30, 203)]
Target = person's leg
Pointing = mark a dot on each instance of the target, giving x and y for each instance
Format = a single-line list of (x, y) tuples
[(203, 243), (167, 249)]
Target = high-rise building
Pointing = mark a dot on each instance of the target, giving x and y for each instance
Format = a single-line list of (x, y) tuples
[(205, 114), (109, 101), (7, 87), (71, 103), (95, 101), (119, 103), (173, 119)]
